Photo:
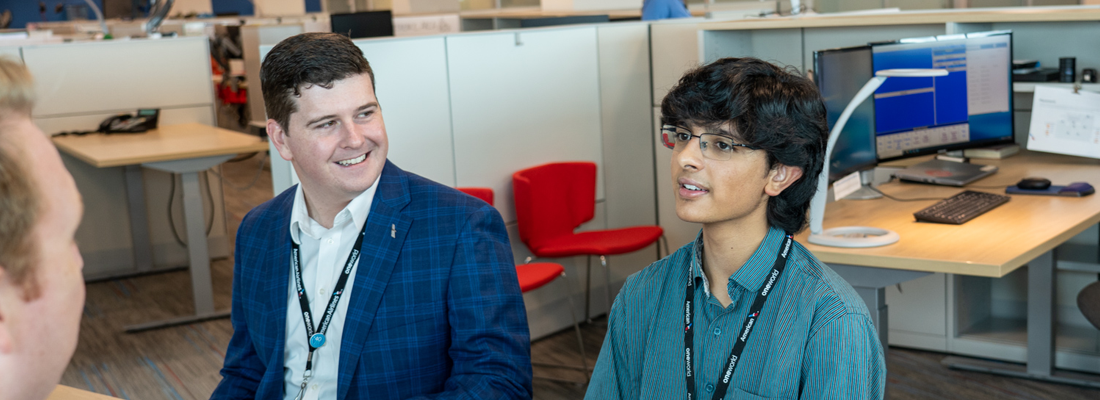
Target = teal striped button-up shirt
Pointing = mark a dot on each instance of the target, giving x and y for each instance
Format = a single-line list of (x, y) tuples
[(813, 340)]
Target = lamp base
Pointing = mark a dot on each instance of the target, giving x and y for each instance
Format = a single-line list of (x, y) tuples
[(855, 236)]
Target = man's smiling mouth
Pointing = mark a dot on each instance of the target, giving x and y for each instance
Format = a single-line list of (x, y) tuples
[(352, 161)]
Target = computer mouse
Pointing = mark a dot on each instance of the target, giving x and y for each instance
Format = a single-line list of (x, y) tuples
[(1034, 183)]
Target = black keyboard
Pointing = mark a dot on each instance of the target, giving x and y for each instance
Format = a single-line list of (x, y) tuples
[(961, 207)]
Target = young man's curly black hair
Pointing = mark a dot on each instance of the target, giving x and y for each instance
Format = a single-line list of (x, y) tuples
[(776, 110)]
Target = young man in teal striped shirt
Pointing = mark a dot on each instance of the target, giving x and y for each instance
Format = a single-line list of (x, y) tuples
[(743, 312)]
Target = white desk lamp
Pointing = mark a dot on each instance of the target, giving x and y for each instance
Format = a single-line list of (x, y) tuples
[(854, 236)]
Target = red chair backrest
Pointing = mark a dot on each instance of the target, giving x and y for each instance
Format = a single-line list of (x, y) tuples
[(553, 199), (485, 194)]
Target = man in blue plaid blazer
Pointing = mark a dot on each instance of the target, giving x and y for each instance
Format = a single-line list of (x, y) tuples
[(365, 281)]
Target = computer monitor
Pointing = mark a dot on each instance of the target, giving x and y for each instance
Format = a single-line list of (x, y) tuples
[(570, 20), (970, 107), (839, 74), (363, 24)]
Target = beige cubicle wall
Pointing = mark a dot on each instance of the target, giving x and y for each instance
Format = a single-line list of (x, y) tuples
[(470, 109), (252, 37), (926, 313), (676, 41), (78, 85)]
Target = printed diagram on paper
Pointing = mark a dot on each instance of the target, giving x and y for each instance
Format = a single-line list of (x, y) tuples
[(1065, 122), (1076, 126)]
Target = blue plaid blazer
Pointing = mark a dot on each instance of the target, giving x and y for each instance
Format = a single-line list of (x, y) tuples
[(436, 311)]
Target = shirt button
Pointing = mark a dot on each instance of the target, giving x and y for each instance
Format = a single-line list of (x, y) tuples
[(323, 291), (315, 387), (329, 241), (717, 331), (710, 388)]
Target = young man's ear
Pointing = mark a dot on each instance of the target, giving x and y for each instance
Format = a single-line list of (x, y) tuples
[(278, 138), (781, 177)]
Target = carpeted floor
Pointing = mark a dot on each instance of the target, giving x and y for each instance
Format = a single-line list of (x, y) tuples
[(182, 363)]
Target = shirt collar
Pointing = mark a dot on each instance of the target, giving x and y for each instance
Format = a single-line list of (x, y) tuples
[(751, 275), (357, 210)]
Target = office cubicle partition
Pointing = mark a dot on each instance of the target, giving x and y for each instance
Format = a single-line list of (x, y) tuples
[(78, 85)]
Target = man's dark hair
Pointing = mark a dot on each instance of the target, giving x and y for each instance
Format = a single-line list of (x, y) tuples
[(776, 110), (301, 61)]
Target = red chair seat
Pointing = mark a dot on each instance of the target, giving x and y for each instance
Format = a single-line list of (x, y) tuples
[(607, 242), (535, 275)]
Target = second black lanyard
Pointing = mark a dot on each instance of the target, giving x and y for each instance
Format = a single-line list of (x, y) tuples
[(746, 329)]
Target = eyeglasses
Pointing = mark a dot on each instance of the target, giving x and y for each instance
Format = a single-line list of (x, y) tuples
[(713, 146)]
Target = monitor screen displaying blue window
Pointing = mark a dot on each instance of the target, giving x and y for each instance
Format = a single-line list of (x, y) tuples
[(839, 74), (970, 107)]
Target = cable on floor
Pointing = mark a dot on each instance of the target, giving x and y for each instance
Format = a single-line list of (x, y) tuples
[(171, 221)]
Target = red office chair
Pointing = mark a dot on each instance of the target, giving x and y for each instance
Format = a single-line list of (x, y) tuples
[(554, 199), (533, 276)]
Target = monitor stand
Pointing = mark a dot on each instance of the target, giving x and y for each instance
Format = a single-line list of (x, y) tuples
[(865, 192)]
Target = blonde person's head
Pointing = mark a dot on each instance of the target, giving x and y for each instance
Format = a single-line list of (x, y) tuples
[(16, 87), (19, 198)]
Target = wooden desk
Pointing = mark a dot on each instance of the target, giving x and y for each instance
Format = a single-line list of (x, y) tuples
[(916, 17), (168, 143), (63, 392), (184, 149), (513, 18), (1025, 231), (536, 12)]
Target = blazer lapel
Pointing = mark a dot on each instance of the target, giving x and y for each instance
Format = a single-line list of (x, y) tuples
[(276, 271), (387, 226)]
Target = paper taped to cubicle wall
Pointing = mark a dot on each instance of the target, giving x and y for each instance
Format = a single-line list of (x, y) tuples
[(1065, 122)]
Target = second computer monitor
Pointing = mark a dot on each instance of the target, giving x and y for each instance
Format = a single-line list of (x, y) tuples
[(970, 107), (839, 74), (363, 24)]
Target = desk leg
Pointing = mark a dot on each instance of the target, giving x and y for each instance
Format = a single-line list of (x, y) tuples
[(196, 244), (139, 223), (201, 285), (1040, 315)]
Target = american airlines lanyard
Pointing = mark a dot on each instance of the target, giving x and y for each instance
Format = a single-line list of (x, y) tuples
[(317, 339), (746, 329)]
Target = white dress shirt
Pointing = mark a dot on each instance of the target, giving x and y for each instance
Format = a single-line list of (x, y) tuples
[(323, 253)]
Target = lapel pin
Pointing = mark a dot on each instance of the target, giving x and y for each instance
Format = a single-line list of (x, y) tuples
[(393, 231)]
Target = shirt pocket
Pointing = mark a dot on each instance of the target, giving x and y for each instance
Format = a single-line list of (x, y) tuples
[(739, 394)]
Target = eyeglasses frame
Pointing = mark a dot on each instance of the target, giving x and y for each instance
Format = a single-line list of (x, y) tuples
[(666, 129)]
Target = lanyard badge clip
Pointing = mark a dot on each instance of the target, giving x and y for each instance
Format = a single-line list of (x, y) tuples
[(305, 376)]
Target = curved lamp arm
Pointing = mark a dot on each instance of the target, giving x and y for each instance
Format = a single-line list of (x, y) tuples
[(817, 205), (98, 16)]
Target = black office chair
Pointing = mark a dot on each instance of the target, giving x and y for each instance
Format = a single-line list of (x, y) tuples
[(1089, 303)]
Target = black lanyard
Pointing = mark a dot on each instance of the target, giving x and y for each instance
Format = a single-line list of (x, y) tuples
[(746, 329), (317, 339)]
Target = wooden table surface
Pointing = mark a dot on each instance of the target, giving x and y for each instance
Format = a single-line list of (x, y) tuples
[(63, 392), (991, 245), (535, 12), (167, 143), (916, 17)]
